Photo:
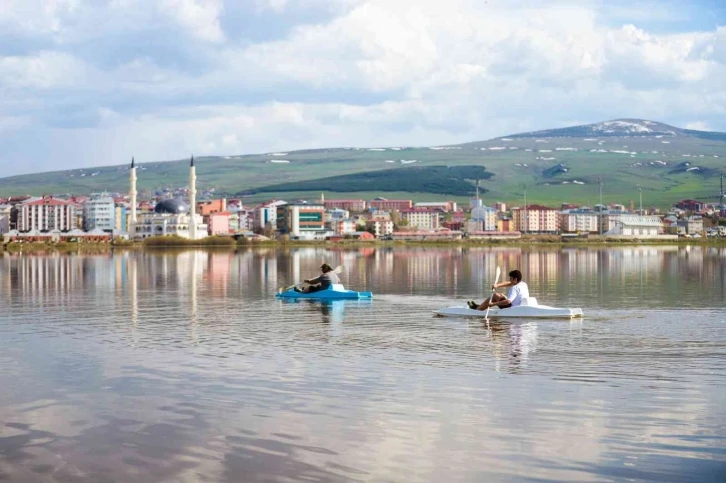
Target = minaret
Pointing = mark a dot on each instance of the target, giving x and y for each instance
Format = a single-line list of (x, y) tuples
[(322, 198), (132, 195), (192, 201)]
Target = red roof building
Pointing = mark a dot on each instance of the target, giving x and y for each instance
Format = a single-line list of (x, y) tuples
[(46, 214)]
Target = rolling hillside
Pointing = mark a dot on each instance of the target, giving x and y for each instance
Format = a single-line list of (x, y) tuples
[(558, 165)]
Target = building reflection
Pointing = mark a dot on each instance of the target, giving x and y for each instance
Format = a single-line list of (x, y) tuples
[(580, 275)]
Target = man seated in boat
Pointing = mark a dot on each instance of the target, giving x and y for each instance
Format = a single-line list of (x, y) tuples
[(321, 282), (518, 291)]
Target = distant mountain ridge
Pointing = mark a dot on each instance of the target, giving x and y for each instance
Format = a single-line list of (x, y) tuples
[(620, 127), (557, 165)]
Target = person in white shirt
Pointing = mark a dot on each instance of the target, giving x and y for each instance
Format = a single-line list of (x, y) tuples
[(519, 291)]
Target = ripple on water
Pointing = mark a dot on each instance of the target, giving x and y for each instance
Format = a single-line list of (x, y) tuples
[(199, 373)]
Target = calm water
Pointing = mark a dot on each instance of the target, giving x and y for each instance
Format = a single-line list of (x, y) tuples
[(149, 367)]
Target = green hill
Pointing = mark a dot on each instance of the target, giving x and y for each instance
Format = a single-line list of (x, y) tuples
[(560, 165), (443, 180)]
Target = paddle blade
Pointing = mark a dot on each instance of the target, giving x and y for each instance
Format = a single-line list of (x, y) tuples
[(498, 273), (338, 269)]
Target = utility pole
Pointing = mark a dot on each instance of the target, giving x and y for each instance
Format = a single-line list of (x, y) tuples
[(525, 209), (640, 191), (599, 181)]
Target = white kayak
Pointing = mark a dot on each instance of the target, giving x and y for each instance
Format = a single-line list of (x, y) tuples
[(529, 309)]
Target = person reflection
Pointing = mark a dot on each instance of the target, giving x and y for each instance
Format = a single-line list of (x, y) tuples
[(513, 343), (332, 311)]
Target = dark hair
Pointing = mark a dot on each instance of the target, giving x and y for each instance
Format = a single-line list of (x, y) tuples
[(324, 266), (516, 274)]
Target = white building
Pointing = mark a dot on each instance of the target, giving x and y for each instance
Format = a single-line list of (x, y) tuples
[(170, 217), (335, 214), (345, 226), (421, 219), (482, 218), (99, 211), (241, 219), (46, 214), (693, 225), (637, 226), (5, 218), (578, 221), (266, 214), (381, 226)]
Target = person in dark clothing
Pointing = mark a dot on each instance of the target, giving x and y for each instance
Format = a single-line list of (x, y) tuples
[(321, 282)]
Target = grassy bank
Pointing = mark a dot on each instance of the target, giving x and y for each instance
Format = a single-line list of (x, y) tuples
[(177, 241), (61, 247)]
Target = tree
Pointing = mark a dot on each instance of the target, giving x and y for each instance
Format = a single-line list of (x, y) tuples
[(269, 230)]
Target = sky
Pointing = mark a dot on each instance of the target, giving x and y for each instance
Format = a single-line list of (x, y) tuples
[(88, 83)]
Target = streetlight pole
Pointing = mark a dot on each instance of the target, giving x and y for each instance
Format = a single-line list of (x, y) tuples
[(640, 191)]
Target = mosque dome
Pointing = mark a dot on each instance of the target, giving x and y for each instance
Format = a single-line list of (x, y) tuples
[(172, 206)]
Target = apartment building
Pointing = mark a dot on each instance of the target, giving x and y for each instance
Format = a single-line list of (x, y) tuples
[(207, 207), (301, 220), (99, 212), (482, 218), (381, 226), (218, 223), (388, 205), (578, 221), (421, 219), (5, 211), (445, 206), (266, 213), (345, 226), (46, 214), (356, 206), (120, 217), (536, 219)]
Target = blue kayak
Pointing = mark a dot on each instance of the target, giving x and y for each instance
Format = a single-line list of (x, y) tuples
[(334, 292)]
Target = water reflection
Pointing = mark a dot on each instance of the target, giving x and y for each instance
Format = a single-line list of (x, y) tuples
[(179, 366), (631, 275), (512, 344)]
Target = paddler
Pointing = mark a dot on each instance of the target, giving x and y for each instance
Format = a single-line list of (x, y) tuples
[(519, 291), (321, 282)]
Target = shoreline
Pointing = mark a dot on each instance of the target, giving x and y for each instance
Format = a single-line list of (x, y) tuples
[(530, 240)]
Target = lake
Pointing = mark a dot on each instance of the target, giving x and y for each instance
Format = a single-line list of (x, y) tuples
[(147, 366)]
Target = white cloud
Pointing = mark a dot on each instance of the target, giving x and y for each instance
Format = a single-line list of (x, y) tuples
[(698, 126), (178, 76), (200, 17), (45, 70)]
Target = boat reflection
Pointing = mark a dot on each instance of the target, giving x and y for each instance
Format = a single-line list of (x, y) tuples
[(511, 344)]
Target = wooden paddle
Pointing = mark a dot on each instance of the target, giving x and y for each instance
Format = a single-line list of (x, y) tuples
[(496, 279), (337, 270)]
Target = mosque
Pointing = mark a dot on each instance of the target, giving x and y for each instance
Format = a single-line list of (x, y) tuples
[(170, 217)]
